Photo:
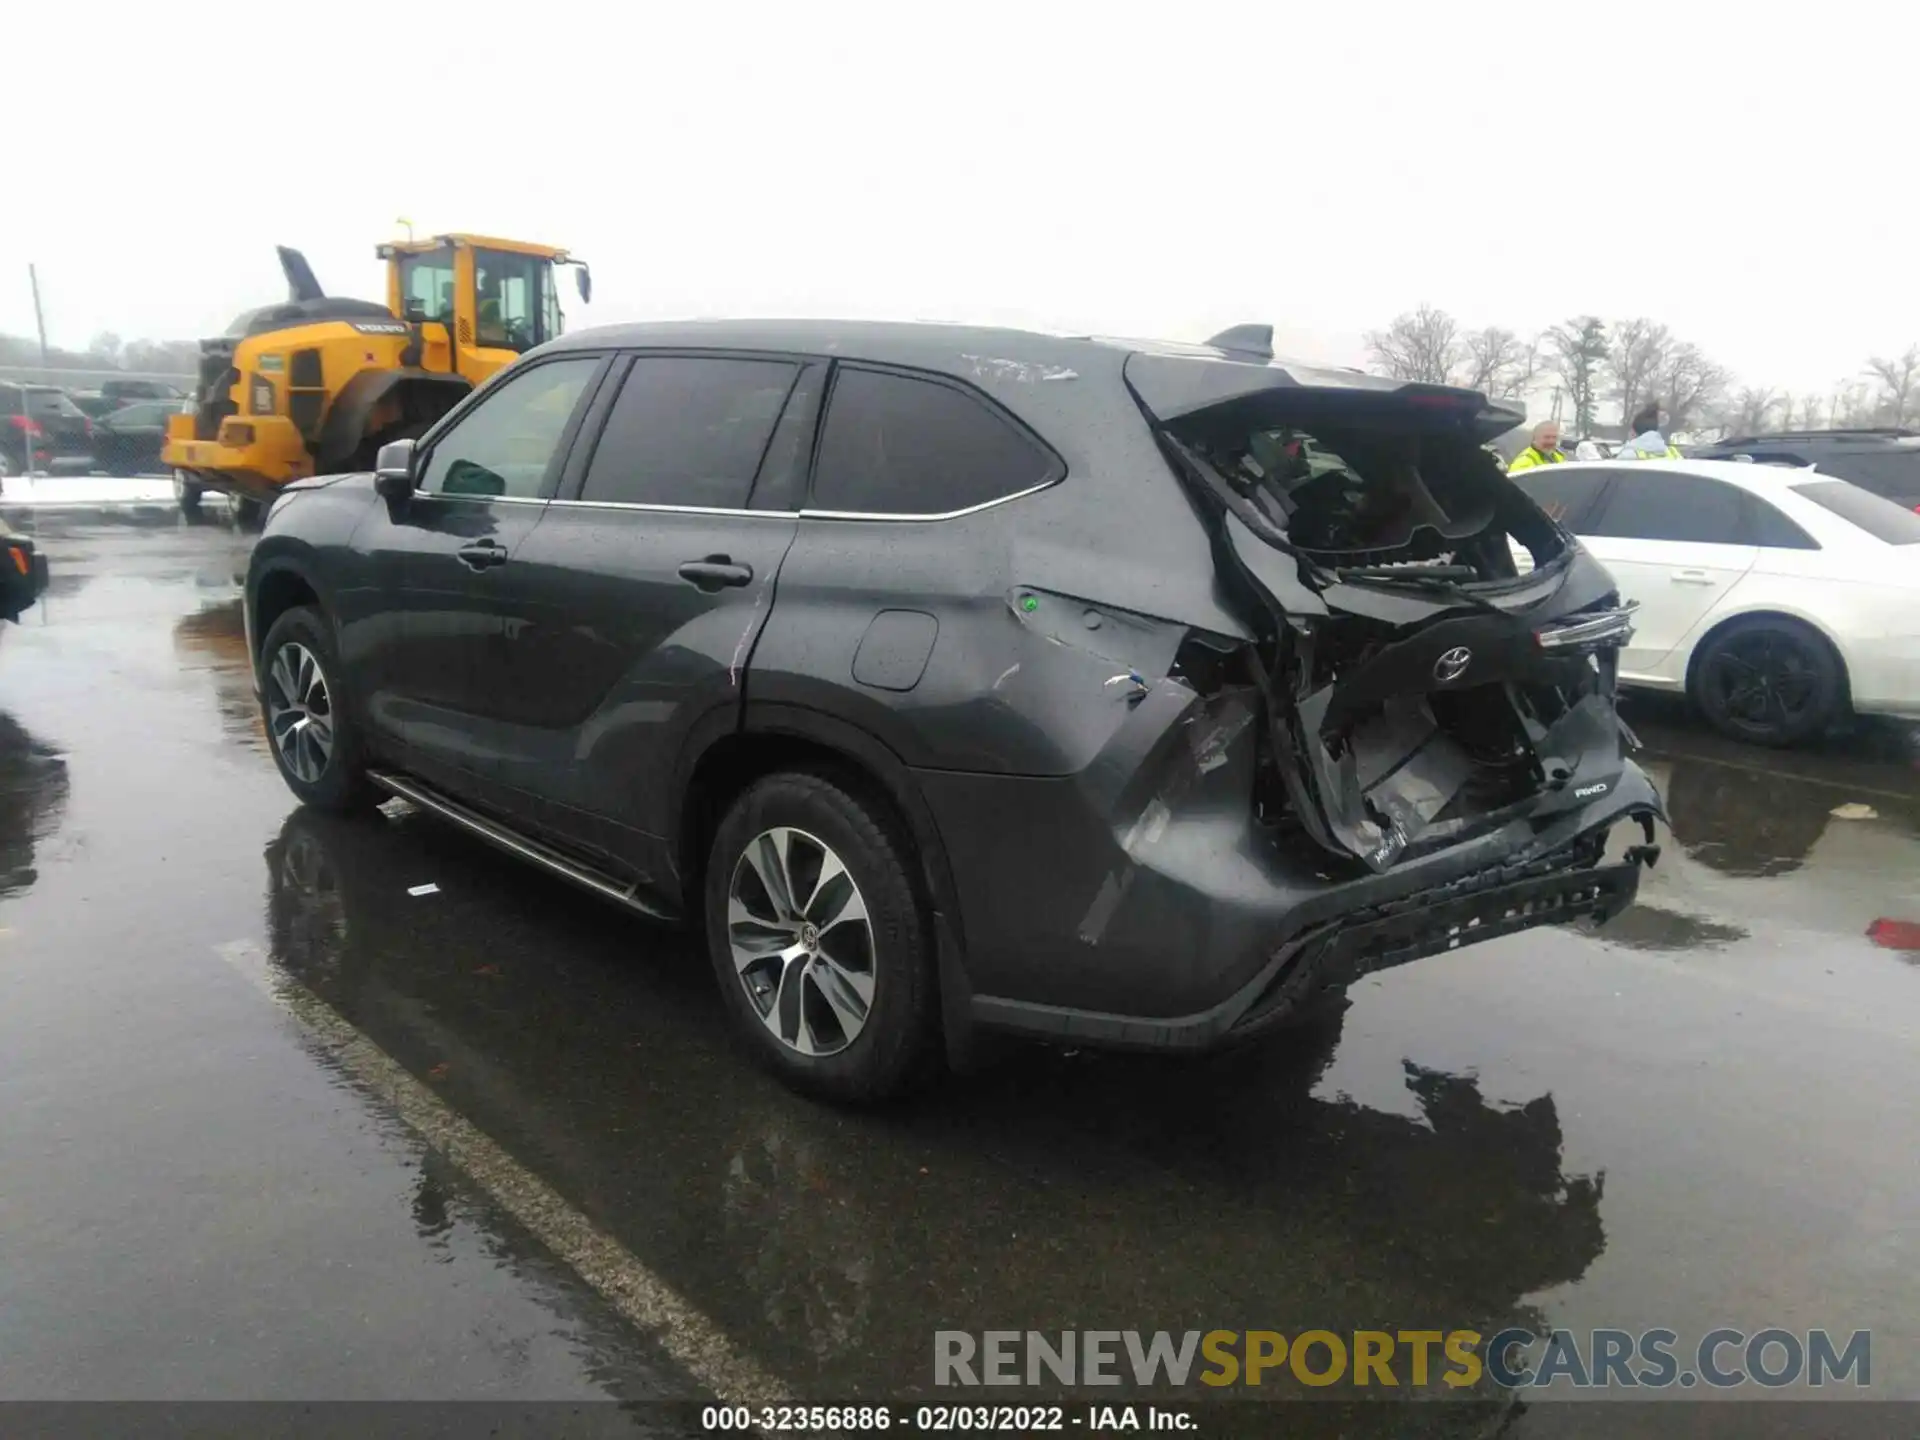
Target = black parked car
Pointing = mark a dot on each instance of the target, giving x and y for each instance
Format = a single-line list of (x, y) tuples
[(128, 441), (1887, 461), (23, 573), (1112, 693), (40, 426), (115, 394)]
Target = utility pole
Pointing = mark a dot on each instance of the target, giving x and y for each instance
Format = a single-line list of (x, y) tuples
[(39, 320)]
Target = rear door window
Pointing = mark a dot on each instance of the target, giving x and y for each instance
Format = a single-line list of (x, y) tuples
[(1879, 517), (688, 430), (1670, 505), (1565, 492), (896, 444)]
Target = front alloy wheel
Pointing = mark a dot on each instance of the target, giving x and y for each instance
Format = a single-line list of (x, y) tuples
[(300, 712), (802, 941)]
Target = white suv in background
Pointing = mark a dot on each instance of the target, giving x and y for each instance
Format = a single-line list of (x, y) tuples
[(1775, 598)]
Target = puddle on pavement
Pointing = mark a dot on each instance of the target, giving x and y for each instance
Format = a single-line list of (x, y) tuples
[(213, 640), (594, 1048), (33, 798)]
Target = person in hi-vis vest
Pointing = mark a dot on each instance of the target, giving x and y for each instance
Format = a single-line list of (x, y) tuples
[(1545, 449), (1648, 443)]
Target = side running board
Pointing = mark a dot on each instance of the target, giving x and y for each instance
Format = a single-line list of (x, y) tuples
[(498, 835)]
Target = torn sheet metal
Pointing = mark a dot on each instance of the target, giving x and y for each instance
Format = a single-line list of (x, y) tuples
[(1209, 732), (1021, 372)]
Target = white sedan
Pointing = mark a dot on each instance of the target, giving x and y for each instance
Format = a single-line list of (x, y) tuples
[(1775, 598)]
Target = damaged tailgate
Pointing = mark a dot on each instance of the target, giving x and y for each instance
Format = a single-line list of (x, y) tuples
[(1419, 689)]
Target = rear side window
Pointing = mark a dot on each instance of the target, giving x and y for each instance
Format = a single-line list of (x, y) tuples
[(897, 445), (51, 402), (1893, 473), (1767, 526), (1564, 492), (688, 430), (1880, 518), (1670, 505)]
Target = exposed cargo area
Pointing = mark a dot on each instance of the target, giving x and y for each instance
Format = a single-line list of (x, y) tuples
[(1420, 689)]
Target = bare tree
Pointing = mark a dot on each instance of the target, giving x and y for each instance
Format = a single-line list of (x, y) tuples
[(1851, 406), (1576, 352), (1423, 345), (1691, 385), (1812, 417), (106, 345), (1899, 380), (1635, 358), (1751, 410), (1496, 361), (1527, 368)]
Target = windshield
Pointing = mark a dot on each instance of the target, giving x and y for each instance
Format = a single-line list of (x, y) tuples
[(1880, 518), (515, 307)]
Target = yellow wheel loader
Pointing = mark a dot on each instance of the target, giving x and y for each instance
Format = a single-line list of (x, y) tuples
[(317, 384)]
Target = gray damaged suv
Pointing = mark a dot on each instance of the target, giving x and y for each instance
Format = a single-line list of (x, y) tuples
[(1101, 691)]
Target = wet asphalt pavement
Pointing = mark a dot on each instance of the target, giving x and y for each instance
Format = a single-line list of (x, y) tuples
[(1704, 1115)]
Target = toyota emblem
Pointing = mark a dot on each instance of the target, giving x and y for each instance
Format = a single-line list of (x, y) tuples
[(1452, 665)]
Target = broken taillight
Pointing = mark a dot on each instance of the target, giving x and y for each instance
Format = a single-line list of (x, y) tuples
[(1589, 630)]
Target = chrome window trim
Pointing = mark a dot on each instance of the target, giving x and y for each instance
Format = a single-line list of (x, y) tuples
[(678, 509), (894, 517), (482, 499)]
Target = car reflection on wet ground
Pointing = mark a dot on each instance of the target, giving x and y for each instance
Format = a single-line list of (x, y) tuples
[(1699, 1116)]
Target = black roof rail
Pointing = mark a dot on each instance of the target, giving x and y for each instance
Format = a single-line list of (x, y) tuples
[(1251, 340), (1891, 432)]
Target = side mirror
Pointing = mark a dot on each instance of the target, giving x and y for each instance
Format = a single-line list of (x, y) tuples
[(583, 282), (393, 469)]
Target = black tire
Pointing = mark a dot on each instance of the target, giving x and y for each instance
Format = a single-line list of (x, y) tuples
[(188, 493), (340, 783), (248, 513), (893, 1049), (1768, 681)]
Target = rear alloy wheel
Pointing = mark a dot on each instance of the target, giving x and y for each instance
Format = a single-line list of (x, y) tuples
[(818, 939), (315, 742), (1768, 681), (801, 940)]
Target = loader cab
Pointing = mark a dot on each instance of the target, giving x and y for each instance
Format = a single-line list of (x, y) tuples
[(481, 302)]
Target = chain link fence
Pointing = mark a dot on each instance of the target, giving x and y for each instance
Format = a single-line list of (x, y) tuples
[(67, 420)]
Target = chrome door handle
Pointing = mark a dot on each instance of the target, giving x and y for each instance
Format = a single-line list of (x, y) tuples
[(716, 572), (483, 554), (1692, 577)]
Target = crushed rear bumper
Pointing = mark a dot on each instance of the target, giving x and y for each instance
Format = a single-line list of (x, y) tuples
[(1140, 904), (1334, 955)]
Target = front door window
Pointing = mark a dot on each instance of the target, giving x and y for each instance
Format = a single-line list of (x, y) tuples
[(507, 445)]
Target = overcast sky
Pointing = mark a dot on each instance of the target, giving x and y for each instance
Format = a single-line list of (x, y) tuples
[(1168, 169)]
